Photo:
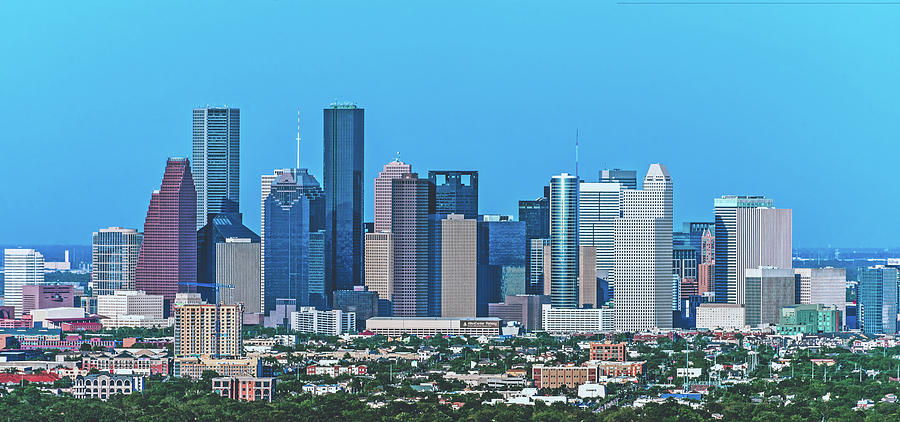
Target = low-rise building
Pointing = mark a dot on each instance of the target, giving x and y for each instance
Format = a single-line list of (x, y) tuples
[(720, 315), (572, 321), (103, 386), (608, 351), (130, 302), (193, 367), (334, 371), (430, 326), (127, 362), (330, 323), (810, 319), (245, 388), (590, 372), (322, 389)]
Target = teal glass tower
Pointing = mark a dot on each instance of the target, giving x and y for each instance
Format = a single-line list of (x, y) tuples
[(564, 241), (878, 300)]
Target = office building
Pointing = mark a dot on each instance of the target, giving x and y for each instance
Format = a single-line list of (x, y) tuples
[(359, 301), (589, 373), (217, 161), (393, 170), (749, 233), (706, 269), (237, 273), (574, 321), (167, 261), (412, 202), (329, 323), (433, 326), (720, 316), (459, 247), (826, 286), (626, 178), (810, 319), (36, 296), (208, 330), (318, 289), (456, 192), (877, 299), (380, 269), (598, 208), (587, 277), (244, 388), (536, 216), (130, 303), (287, 252), (643, 251), (501, 259), (22, 267), (343, 183), (608, 351), (524, 309), (103, 386), (222, 228), (564, 241), (535, 264), (114, 259), (768, 289)]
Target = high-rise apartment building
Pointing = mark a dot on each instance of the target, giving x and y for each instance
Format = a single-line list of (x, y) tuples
[(536, 216), (825, 286), (768, 289), (878, 300), (208, 330), (455, 192), (286, 256), (749, 233), (22, 267), (217, 160), (343, 165), (412, 201), (113, 259), (167, 261), (627, 178), (393, 170), (380, 268), (643, 245), (564, 241), (237, 273), (459, 247), (222, 228), (329, 323), (598, 209)]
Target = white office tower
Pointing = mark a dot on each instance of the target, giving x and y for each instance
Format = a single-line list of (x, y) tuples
[(750, 233), (826, 286), (643, 245), (598, 209), (459, 249), (114, 258), (23, 267)]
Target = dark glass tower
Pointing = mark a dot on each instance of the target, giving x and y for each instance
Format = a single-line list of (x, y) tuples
[(287, 243), (455, 191), (343, 156), (219, 228), (501, 260), (536, 216)]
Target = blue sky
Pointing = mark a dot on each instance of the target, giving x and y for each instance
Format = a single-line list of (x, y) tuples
[(799, 103)]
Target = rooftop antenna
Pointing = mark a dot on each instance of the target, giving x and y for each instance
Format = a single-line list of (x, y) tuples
[(398, 156), (576, 155), (298, 138)]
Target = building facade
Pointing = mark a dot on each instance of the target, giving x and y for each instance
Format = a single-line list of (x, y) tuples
[(456, 192), (768, 289), (393, 170), (379, 267), (412, 202), (22, 267), (217, 160), (431, 326), (720, 315), (329, 323), (208, 330), (826, 286), (245, 388), (524, 309), (103, 386), (564, 241), (47, 296), (536, 216), (598, 209), (130, 302), (810, 319), (877, 295), (228, 231), (237, 273), (286, 254), (626, 178), (574, 321), (114, 258), (459, 269)]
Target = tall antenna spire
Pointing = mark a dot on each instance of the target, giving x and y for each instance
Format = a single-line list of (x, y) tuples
[(298, 138), (576, 154)]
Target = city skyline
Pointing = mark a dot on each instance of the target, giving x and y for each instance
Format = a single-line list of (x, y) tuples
[(692, 116)]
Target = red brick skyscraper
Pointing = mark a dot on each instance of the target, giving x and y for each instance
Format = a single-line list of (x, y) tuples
[(169, 253)]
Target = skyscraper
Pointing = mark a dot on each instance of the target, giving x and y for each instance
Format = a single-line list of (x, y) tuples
[(643, 245), (380, 269), (286, 256), (501, 259), (217, 231), (587, 277), (628, 178), (210, 330), (564, 241), (217, 160), (459, 244), (768, 289), (826, 286), (536, 216), (598, 209), (22, 267), (412, 202), (343, 165), (114, 259), (878, 300), (537, 270), (749, 234), (393, 170), (455, 192), (167, 262), (237, 272)]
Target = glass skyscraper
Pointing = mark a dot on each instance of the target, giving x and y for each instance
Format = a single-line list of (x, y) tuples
[(455, 192), (217, 160), (628, 178), (343, 166), (287, 253), (501, 260), (878, 300), (564, 241), (222, 226), (536, 216), (113, 259)]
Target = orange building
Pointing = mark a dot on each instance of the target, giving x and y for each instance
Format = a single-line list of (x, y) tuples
[(245, 388), (608, 351), (573, 376)]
